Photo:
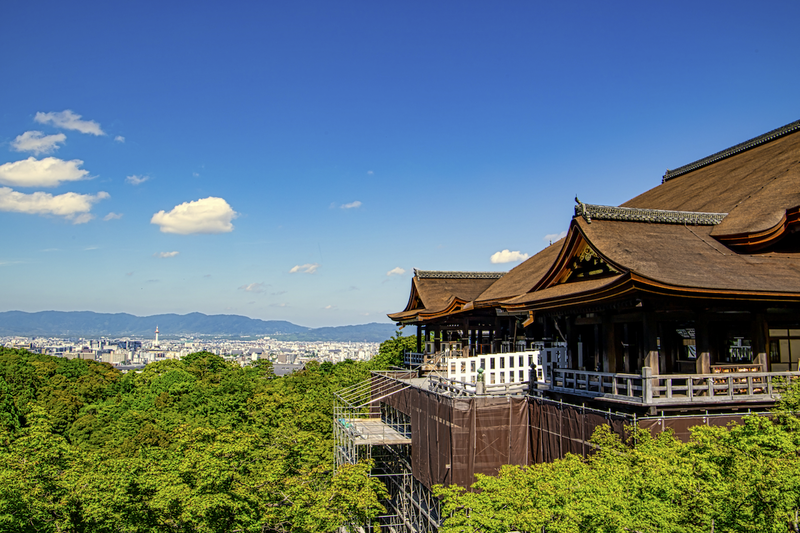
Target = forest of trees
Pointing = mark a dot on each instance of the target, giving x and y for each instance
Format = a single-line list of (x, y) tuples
[(202, 445), (187, 445)]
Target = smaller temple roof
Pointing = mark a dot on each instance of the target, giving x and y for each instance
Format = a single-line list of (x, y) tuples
[(437, 292)]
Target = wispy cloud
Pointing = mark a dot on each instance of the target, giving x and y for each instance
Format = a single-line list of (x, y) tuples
[(507, 256), (283, 304), (129, 273), (69, 121), (253, 287), (136, 180), (90, 248), (72, 206), (208, 215), (308, 268), (329, 307), (165, 255), (351, 205), (370, 173), (553, 237), (47, 172), (396, 271), (37, 142), (277, 293), (119, 139), (112, 216)]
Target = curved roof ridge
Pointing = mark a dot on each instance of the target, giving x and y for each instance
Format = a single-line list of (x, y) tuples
[(638, 214), (452, 274), (741, 147)]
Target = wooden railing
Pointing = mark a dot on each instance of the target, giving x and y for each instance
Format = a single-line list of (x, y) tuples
[(739, 387)]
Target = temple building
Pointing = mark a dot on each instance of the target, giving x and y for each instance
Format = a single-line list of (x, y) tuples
[(686, 295), (680, 307)]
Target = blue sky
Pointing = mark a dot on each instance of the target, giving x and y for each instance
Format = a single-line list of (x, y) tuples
[(296, 160)]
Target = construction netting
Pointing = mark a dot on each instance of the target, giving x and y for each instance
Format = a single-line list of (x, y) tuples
[(452, 439)]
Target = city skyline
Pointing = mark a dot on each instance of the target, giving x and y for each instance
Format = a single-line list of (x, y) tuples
[(288, 162)]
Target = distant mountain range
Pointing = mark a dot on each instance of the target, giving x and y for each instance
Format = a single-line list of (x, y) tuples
[(89, 324)]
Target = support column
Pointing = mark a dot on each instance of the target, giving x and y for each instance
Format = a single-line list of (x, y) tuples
[(419, 338), (652, 358), (703, 340), (610, 358), (760, 336)]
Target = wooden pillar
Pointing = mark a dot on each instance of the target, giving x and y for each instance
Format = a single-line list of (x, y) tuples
[(598, 349), (703, 340), (419, 338), (650, 343), (610, 346), (572, 342), (760, 336)]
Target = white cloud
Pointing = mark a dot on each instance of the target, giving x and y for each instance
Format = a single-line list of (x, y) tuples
[(47, 172), (69, 121), (396, 271), (136, 180), (253, 287), (207, 215), (351, 205), (284, 304), (195, 174), (37, 142), (507, 256), (119, 139), (370, 172), (328, 307), (165, 255), (72, 206), (112, 216), (308, 268), (553, 237)]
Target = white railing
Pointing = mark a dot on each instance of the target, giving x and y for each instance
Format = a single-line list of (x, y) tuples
[(672, 388), (460, 388)]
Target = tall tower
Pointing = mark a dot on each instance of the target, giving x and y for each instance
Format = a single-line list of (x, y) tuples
[(156, 336)]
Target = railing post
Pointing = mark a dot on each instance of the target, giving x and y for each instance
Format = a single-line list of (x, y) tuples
[(647, 390), (710, 387)]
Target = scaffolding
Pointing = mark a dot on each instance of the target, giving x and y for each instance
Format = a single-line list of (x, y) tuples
[(366, 429)]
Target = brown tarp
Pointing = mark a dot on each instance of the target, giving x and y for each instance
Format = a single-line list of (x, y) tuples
[(557, 429), (680, 425)]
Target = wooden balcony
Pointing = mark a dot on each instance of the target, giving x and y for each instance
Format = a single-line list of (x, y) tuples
[(670, 389)]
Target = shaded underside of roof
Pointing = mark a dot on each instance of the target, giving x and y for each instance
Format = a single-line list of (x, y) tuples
[(523, 277), (753, 179)]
